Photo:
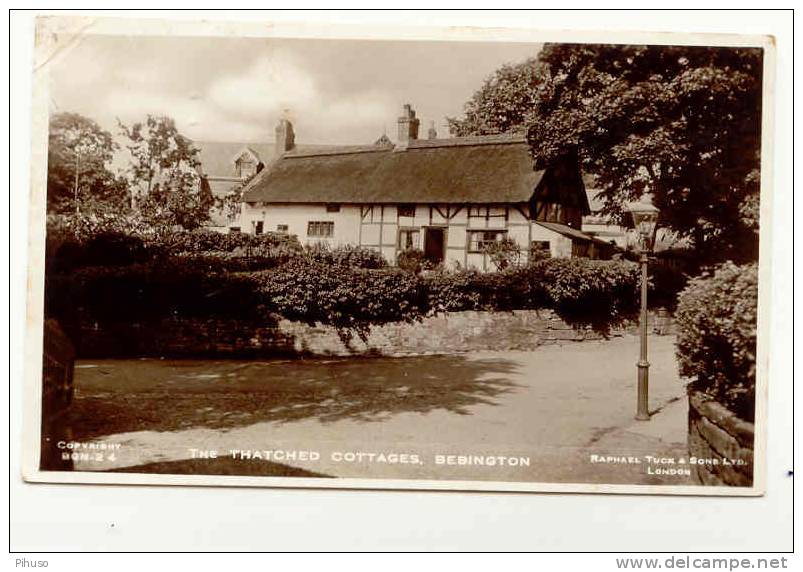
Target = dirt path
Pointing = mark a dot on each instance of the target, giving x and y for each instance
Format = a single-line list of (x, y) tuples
[(513, 416)]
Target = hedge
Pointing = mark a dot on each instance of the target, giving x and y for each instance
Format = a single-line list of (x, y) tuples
[(150, 291), (66, 252), (716, 347), (310, 288), (351, 299)]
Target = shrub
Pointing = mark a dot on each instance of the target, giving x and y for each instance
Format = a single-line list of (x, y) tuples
[(152, 291), (716, 346), (350, 299), (504, 253), (352, 256), (592, 292), (411, 260), (452, 291), (473, 290), (110, 247), (665, 285)]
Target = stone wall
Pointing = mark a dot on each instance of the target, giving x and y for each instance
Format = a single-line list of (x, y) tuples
[(720, 444), (443, 334), (456, 332), (183, 338)]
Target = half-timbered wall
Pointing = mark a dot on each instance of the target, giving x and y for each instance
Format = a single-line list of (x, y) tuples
[(390, 228)]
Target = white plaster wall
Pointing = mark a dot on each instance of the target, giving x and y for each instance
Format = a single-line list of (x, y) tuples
[(296, 217), (559, 245)]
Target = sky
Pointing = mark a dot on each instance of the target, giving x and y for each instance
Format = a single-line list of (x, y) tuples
[(236, 89)]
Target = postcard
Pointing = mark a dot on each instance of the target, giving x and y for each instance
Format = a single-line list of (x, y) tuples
[(458, 259)]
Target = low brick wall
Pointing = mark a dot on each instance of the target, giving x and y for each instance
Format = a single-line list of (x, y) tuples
[(720, 444), (456, 332)]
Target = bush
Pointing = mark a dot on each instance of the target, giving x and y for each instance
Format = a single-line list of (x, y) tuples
[(67, 250), (716, 347), (411, 260), (513, 289), (152, 291), (591, 290), (504, 253), (352, 256), (665, 285), (348, 298)]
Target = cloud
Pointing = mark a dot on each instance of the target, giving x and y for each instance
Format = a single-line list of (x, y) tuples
[(236, 89), (278, 85)]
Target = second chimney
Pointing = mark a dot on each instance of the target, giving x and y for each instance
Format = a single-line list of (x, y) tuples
[(408, 126), (285, 137)]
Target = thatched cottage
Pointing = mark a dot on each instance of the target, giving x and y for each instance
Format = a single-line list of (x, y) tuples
[(448, 197)]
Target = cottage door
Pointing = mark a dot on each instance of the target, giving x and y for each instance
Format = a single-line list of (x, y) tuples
[(434, 244)]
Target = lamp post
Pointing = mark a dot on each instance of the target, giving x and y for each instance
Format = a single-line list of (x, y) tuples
[(645, 220)]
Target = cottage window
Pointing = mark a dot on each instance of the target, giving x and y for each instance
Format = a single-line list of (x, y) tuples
[(409, 238), (283, 228), (479, 240), (333, 208), (320, 229), (406, 210), (245, 168), (259, 227)]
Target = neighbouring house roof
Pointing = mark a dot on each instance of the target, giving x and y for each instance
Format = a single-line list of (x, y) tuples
[(570, 232), (217, 158), (493, 169)]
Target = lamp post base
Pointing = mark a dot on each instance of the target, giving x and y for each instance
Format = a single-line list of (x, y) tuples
[(642, 400)]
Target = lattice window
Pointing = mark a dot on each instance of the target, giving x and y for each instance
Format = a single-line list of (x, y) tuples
[(320, 229)]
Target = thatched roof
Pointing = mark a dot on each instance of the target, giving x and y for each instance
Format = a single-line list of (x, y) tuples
[(495, 169)]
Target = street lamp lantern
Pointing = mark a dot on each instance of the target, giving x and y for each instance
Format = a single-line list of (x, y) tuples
[(645, 220)]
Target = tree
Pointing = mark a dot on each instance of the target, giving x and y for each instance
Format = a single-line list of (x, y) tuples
[(164, 170), (681, 122), (78, 177), (502, 103)]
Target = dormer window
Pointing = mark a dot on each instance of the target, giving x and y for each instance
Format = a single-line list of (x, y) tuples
[(245, 167)]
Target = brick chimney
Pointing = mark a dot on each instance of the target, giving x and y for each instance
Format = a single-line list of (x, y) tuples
[(285, 137), (408, 126)]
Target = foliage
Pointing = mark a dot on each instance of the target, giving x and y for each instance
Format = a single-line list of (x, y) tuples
[(206, 241), (594, 292), (157, 289), (78, 177), (681, 122), (351, 299), (347, 255), (716, 347), (502, 103), (504, 253), (230, 205), (411, 260), (164, 169), (78, 242), (665, 283)]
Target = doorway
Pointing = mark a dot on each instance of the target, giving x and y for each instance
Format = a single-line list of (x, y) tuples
[(434, 244)]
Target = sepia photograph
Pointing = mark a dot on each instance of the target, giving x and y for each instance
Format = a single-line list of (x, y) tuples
[(458, 263)]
